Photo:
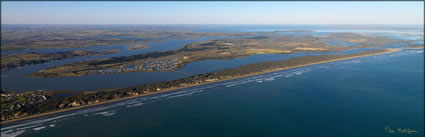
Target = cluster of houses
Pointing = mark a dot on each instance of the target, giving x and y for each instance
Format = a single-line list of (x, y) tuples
[(160, 65), (36, 97), (148, 65)]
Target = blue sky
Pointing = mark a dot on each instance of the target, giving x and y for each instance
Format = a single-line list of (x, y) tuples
[(212, 12)]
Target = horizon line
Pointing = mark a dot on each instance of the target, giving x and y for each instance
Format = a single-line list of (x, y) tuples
[(212, 24)]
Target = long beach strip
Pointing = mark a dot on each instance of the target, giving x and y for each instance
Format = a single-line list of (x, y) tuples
[(388, 50)]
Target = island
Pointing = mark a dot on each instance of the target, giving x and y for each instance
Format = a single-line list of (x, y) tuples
[(35, 104), (9, 62), (137, 46), (269, 43)]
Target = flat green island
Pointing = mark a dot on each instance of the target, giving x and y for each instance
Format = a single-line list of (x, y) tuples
[(9, 62), (212, 49), (37, 104)]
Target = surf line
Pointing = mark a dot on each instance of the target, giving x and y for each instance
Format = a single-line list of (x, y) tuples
[(388, 50)]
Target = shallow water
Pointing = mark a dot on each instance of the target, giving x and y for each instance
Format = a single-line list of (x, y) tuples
[(353, 97), (17, 79), (14, 79)]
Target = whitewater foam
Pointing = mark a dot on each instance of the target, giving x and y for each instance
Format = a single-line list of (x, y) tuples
[(106, 113), (39, 128), (134, 105), (12, 134)]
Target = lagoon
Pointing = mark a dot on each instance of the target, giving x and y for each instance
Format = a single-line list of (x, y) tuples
[(346, 98)]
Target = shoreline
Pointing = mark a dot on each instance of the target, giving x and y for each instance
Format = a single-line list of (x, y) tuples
[(389, 50)]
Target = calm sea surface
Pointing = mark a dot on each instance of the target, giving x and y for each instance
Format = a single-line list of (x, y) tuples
[(354, 97), (18, 80)]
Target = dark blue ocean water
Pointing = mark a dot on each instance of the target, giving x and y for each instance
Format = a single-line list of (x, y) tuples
[(357, 97), (17, 79)]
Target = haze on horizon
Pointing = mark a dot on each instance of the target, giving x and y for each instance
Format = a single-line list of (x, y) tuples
[(212, 12)]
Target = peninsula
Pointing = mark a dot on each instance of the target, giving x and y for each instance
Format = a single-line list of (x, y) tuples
[(213, 49), (50, 104), (20, 60)]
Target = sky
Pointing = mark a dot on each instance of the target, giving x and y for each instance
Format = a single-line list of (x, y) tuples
[(102, 12)]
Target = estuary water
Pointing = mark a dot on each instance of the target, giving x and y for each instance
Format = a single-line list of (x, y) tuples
[(18, 80), (355, 97)]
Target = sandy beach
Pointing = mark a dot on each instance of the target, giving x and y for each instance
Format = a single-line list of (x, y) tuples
[(390, 50)]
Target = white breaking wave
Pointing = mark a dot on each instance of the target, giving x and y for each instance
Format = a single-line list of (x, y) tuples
[(134, 105), (186, 93), (143, 100), (269, 79), (20, 128), (15, 130), (236, 83), (36, 122), (12, 134), (354, 61), (39, 128), (43, 123), (23, 128), (325, 67), (106, 113)]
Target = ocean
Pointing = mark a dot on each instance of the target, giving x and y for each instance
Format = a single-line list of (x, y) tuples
[(365, 96), (355, 97)]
